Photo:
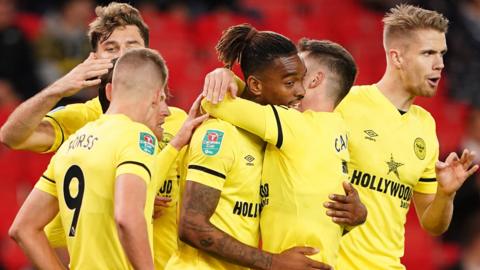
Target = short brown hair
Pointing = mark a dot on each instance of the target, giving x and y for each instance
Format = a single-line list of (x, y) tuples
[(336, 58), (406, 18), (113, 16)]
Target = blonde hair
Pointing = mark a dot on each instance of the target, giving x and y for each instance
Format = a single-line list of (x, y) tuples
[(404, 19), (113, 16), (145, 61)]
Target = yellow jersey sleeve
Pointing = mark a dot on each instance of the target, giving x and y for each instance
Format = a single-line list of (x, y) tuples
[(244, 114), (210, 155), (274, 124), (428, 183), (137, 153), (163, 162), (47, 183), (66, 120)]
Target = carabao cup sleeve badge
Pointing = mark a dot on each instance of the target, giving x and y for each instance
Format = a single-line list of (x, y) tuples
[(147, 143), (212, 141)]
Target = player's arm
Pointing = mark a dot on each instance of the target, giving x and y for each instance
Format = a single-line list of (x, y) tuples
[(435, 210), (199, 204), (26, 129), (130, 197), (348, 209), (250, 116), (28, 229)]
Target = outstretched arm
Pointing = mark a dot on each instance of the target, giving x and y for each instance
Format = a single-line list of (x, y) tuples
[(199, 204), (435, 211), (25, 129)]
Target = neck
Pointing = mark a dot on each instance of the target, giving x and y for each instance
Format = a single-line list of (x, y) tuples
[(392, 87), (137, 115)]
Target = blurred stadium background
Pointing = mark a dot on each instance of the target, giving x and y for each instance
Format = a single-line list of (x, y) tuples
[(42, 40)]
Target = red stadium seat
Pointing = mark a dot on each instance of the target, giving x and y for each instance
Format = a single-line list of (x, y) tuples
[(30, 23)]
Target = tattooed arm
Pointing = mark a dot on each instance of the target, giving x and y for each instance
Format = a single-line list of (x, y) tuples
[(199, 204)]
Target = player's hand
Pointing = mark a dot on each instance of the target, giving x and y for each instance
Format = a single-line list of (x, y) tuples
[(296, 258), (194, 119), (160, 203), (217, 83), (84, 75), (452, 173), (346, 209)]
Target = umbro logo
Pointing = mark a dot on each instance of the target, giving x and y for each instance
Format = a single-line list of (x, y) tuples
[(370, 135), (249, 160)]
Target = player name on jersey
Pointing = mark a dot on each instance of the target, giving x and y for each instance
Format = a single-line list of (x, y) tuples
[(82, 140), (247, 209), (383, 185)]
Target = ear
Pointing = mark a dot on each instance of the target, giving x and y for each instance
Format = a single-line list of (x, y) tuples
[(395, 57), (254, 85), (156, 96), (108, 91), (316, 80)]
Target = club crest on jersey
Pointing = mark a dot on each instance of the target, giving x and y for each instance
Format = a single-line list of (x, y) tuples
[(147, 143), (420, 148), (166, 138), (212, 141)]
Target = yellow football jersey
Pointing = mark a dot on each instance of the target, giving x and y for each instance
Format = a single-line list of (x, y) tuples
[(229, 159), (392, 155), (82, 176), (67, 120), (305, 161), (165, 235)]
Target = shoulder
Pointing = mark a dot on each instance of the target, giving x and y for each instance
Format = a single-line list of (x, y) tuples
[(422, 115), (358, 96), (177, 112), (94, 104)]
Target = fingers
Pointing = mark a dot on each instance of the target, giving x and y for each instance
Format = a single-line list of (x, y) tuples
[(452, 157), (439, 165), (336, 206), (348, 188), (472, 170), (338, 198), (226, 85), (233, 89), (199, 120), (162, 201), (89, 83), (206, 85), (338, 214), (467, 158), (219, 88), (157, 214), (306, 250), (211, 89), (195, 107), (318, 265), (95, 73)]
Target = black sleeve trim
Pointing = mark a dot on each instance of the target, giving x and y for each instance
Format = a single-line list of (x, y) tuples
[(279, 127), (428, 179), (48, 179), (207, 170), (59, 126), (136, 163)]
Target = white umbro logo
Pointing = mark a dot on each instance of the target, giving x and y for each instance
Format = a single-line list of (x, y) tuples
[(249, 160), (370, 135)]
